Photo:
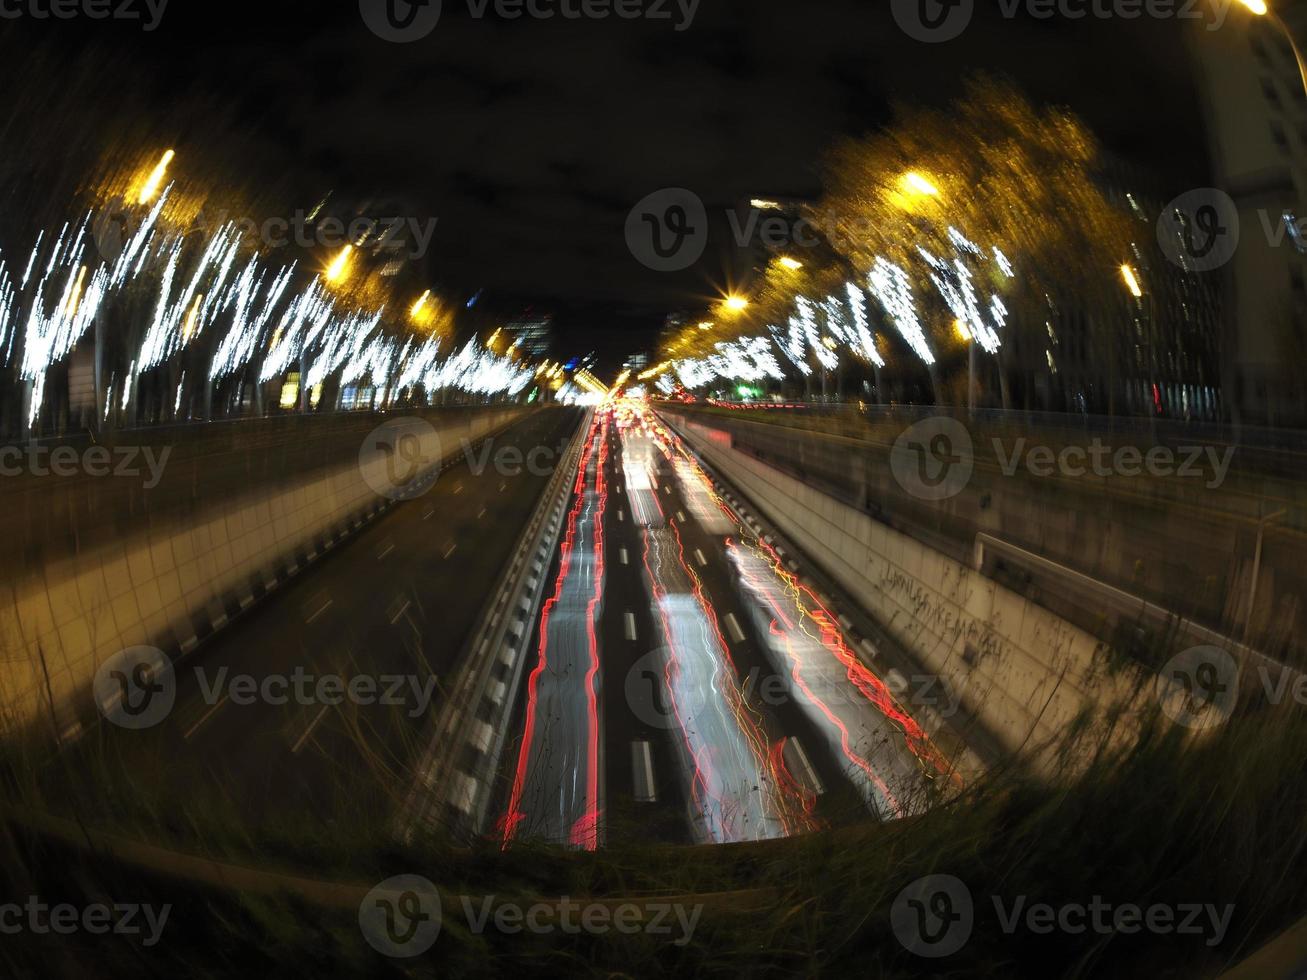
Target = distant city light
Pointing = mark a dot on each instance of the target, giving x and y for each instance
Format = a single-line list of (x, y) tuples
[(791, 264)]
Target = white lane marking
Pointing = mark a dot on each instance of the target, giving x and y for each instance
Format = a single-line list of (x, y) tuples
[(452, 549), (621, 515), (626, 559), (667, 488), (733, 627), (629, 621), (458, 489), (481, 514), (385, 551), (700, 558), (321, 609), (402, 609), (503, 487), (430, 511), (806, 773), (642, 768), (680, 516), (205, 717), (309, 731)]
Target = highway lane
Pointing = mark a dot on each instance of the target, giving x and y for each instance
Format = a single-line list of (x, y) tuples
[(389, 608), (730, 706), (555, 793)]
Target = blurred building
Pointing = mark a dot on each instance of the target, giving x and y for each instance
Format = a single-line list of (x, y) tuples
[(533, 335), (1255, 108)]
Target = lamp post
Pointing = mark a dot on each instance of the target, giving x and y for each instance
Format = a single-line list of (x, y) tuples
[(1262, 9)]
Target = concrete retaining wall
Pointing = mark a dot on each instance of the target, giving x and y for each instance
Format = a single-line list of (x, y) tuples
[(170, 584), (1025, 672)]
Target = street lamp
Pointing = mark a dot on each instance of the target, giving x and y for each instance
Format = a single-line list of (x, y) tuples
[(736, 304), (1131, 282), (339, 265), (1262, 9), (918, 184), (152, 183)]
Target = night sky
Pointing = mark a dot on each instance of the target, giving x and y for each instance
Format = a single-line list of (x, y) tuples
[(530, 141)]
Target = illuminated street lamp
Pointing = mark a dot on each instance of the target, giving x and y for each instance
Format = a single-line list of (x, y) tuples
[(736, 304), (335, 273), (152, 183), (1131, 282), (919, 185), (1262, 9)]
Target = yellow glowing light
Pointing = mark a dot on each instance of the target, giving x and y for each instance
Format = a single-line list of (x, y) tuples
[(704, 325), (961, 330), (339, 265), (764, 205), (75, 297), (155, 180), (918, 184), (736, 303), (1132, 284), (1256, 6), (791, 264), (290, 392), (188, 328), (421, 302)]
